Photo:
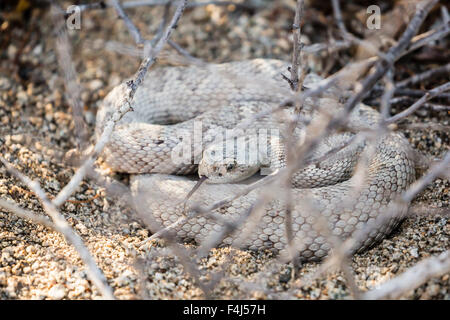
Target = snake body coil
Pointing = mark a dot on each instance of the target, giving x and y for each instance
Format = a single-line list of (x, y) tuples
[(326, 201)]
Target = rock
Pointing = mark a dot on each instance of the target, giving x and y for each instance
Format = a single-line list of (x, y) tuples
[(12, 51), (95, 85), (82, 228), (57, 292), (18, 138), (22, 97), (5, 84), (414, 252)]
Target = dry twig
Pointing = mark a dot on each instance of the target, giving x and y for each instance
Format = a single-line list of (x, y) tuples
[(412, 278)]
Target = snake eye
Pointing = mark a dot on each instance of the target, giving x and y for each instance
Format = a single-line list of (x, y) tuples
[(230, 166)]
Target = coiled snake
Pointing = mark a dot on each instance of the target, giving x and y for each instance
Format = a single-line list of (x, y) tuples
[(175, 102)]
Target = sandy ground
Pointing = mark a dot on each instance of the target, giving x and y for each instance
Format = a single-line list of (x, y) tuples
[(37, 129)]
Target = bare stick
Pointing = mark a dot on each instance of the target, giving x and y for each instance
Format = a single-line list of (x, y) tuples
[(131, 50), (444, 13), (406, 92), (416, 42), (426, 211), (330, 47), (162, 24), (296, 83), (432, 173), (424, 126), (124, 49), (130, 25), (403, 100), (338, 16), (412, 278), (296, 53), (429, 95), (419, 93), (137, 3), (25, 214), (427, 37), (387, 96), (185, 54), (424, 76)]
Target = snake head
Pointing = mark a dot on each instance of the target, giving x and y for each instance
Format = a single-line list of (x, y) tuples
[(220, 165)]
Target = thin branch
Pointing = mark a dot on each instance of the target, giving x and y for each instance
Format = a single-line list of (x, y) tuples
[(433, 172), (445, 15), (27, 215), (412, 278), (426, 211), (429, 95), (296, 53), (185, 54), (419, 93), (387, 96), (124, 49), (130, 25), (424, 126), (159, 32), (339, 20), (330, 47), (407, 101), (427, 37), (420, 77)]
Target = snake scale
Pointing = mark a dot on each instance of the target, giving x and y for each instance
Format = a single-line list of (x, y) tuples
[(219, 97)]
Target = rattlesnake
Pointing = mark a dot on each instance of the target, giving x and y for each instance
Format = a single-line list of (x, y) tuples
[(174, 100)]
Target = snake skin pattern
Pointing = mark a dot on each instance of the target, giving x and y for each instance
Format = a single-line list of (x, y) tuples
[(174, 99)]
